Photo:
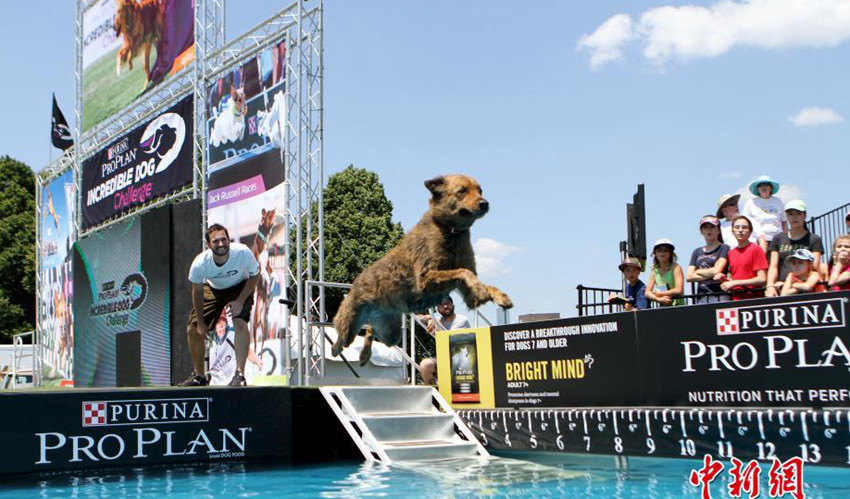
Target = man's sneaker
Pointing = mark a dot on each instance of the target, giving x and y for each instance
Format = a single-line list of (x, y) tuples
[(195, 379), (238, 380)]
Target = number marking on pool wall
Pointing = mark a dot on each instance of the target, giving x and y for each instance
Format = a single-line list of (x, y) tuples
[(816, 436)]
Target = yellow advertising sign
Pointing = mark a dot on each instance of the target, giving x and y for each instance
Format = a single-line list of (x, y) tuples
[(465, 368)]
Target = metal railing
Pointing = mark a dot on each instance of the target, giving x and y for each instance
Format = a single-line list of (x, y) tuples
[(829, 226), (19, 352), (309, 343), (594, 301), (598, 304)]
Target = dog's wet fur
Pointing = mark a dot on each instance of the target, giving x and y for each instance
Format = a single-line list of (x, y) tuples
[(432, 260)]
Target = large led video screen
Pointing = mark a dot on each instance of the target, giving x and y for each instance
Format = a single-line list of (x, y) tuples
[(130, 46), (122, 303)]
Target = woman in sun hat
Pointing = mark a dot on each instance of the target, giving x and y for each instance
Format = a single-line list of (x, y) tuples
[(667, 281), (727, 210), (765, 209)]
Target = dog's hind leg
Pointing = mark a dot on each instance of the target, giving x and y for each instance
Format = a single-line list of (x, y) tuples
[(387, 328), (366, 353), (146, 61), (348, 320)]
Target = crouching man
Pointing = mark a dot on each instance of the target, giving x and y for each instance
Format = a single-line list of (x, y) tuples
[(225, 274)]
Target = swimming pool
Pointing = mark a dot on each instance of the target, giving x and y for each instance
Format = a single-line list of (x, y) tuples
[(553, 475)]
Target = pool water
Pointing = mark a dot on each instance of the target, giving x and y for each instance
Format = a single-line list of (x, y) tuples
[(552, 475)]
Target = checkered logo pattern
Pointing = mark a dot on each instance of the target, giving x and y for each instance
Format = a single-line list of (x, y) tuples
[(727, 321), (94, 413)]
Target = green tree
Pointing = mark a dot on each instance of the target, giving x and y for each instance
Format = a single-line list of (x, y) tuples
[(17, 248), (358, 228)]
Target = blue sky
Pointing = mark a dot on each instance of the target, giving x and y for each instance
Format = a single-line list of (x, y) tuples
[(558, 108)]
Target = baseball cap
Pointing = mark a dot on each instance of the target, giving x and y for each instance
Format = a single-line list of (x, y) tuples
[(630, 262), (709, 219), (795, 204), (801, 254), (664, 242)]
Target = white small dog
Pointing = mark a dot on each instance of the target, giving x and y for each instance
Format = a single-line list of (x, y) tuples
[(271, 122), (460, 360), (229, 126)]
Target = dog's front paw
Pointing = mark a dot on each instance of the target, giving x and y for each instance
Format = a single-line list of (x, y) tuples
[(504, 301), (500, 298)]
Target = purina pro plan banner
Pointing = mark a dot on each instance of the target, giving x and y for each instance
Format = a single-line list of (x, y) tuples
[(153, 160)]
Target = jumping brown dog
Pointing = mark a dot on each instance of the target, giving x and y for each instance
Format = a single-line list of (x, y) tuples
[(141, 25), (432, 260)]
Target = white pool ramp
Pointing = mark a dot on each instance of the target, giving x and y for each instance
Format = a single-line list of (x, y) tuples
[(402, 423)]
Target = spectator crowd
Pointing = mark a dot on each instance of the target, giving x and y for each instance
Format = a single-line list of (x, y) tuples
[(764, 250)]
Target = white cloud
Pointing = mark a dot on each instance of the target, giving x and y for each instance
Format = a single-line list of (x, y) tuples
[(815, 116), (490, 255), (728, 175), (605, 44), (690, 32)]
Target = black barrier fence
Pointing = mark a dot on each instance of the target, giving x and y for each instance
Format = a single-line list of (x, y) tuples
[(829, 226), (770, 352), (78, 429), (594, 301)]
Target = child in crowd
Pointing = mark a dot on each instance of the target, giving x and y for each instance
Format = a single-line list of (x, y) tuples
[(667, 281), (747, 263), (727, 210), (839, 274), (709, 261), (634, 297), (803, 278), (786, 243), (765, 209)]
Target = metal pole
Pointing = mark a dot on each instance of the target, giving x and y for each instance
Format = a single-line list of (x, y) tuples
[(299, 278)]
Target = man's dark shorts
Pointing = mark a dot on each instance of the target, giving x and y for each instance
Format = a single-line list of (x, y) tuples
[(216, 299)]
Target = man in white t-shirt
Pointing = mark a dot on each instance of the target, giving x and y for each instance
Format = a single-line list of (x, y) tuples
[(448, 321), (223, 275)]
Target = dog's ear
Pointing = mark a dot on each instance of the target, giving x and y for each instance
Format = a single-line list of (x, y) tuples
[(435, 185)]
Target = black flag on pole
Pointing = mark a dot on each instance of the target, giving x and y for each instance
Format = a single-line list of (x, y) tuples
[(60, 133)]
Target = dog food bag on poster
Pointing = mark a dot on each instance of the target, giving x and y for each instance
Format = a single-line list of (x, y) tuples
[(464, 354)]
